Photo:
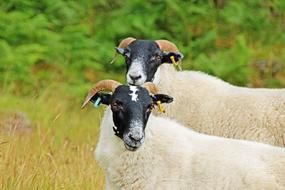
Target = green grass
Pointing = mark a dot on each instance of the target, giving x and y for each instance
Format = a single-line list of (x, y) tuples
[(72, 43), (59, 154)]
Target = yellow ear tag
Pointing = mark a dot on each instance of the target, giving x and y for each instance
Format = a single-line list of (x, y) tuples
[(173, 60), (175, 63), (160, 107)]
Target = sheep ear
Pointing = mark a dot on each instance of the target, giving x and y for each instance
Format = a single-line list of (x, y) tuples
[(166, 57), (101, 98), (123, 51), (163, 98), (120, 50)]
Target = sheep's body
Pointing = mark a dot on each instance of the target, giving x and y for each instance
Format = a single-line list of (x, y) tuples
[(212, 106), (174, 157)]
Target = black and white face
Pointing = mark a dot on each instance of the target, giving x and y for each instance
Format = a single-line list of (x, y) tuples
[(143, 58), (131, 107)]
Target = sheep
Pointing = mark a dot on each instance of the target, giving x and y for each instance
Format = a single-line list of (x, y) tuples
[(203, 102), (138, 150)]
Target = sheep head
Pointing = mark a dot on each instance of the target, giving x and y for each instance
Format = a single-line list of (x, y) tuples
[(130, 106), (143, 58)]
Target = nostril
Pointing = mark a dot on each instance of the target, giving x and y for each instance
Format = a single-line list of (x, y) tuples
[(135, 77), (135, 137)]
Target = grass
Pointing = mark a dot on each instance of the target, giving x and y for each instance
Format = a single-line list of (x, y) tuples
[(59, 153)]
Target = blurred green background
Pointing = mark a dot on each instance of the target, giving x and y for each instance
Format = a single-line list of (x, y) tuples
[(72, 42), (53, 51)]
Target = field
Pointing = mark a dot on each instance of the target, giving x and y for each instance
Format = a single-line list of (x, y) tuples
[(53, 51), (58, 152)]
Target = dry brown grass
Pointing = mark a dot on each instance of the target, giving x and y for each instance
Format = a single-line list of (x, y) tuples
[(58, 153)]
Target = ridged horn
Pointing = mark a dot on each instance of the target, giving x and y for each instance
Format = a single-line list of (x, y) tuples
[(124, 43), (166, 45), (151, 87), (99, 86)]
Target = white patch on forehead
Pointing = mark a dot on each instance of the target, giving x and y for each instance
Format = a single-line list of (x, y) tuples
[(134, 96)]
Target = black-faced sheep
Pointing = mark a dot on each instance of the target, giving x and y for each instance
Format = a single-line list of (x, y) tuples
[(203, 102), (139, 151)]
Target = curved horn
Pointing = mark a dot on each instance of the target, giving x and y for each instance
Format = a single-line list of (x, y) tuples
[(151, 87), (124, 43), (101, 85), (166, 45)]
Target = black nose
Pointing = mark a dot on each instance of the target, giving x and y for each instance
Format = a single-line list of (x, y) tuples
[(136, 77), (136, 137)]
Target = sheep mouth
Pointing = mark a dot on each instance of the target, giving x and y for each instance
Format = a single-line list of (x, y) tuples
[(131, 147), (136, 83)]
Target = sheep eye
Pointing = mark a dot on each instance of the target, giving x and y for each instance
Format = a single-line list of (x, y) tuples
[(126, 57), (155, 57), (158, 57), (116, 106)]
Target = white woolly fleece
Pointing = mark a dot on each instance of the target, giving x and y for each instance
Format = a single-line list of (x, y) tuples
[(212, 106), (174, 157)]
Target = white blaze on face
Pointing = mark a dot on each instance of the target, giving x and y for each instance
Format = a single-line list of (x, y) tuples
[(136, 129), (133, 95), (136, 70), (136, 133)]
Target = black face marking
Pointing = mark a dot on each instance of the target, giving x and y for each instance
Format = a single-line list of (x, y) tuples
[(142, 58), (131, 107)]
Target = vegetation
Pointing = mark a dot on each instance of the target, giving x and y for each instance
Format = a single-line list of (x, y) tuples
[(52, 51), (72, 42), (58, 152)]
